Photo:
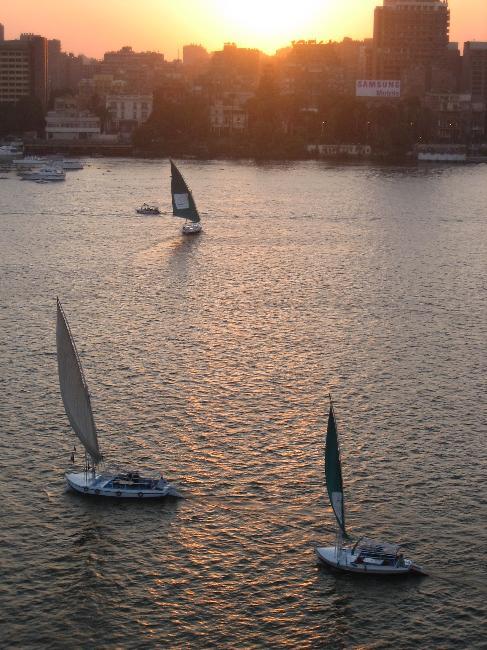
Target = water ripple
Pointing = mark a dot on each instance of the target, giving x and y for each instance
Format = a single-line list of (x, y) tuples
[(210, 359)]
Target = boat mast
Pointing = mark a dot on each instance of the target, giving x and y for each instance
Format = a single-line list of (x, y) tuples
[(89, 465), (339, 533), (75, 392)]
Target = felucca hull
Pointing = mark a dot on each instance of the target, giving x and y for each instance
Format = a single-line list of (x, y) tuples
[(192, 229), (108, 485), (345, 561)]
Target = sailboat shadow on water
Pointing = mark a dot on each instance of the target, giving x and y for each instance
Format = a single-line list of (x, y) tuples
[(128, 484), (364, 556)]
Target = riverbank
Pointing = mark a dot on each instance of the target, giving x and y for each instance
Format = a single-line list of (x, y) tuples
[(218, 150)]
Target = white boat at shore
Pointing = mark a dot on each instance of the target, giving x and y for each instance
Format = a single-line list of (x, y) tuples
[(77, 403), (365, 556), (71, 164), (437, 157), (30, 162), (10, 153), (442, 153), (44, 174)]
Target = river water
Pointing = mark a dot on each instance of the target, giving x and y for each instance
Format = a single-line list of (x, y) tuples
[(210, 359)]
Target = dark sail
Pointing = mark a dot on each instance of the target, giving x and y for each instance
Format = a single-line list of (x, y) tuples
[(333, 471), (183, 204)]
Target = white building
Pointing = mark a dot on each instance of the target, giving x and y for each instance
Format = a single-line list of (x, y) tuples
[(72, 125), (228, 113), (129, 108), (226, 118)]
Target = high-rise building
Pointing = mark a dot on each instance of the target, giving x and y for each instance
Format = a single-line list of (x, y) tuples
[(314, 70), (141, 70), (2, 33), (235, 67), (23, 69), (195, 55), (410, 38), (475, 69), (127, 59), (54, 64)]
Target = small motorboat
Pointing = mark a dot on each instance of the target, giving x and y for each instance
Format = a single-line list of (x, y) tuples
[(365, 556), (147, 208), (47, 173)]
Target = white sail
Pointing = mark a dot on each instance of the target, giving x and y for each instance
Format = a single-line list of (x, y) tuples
[(74, 389)]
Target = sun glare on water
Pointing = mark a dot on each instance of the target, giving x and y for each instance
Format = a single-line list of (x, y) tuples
[(270, 23)]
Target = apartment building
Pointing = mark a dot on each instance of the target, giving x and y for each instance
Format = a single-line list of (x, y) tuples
[(23, 69), (410, 40), (475, 69)]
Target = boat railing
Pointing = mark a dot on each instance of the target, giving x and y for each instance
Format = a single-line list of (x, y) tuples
[(377, 555), (134, 484)]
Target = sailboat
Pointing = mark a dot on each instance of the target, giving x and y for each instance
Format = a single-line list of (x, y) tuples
[(365, 555), (77, 404), (183, 204)]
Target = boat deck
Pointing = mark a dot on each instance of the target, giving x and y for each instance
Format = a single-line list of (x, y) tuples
[(349, 562), (120, 486)]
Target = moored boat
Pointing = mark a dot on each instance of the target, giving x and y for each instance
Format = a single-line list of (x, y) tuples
[(71, 164), (44, 174), (365, 556), (10, 152), (29, 162)]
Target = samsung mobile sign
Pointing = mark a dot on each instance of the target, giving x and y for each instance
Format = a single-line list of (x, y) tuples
[(378, 88)]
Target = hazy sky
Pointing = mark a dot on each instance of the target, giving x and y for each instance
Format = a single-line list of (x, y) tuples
[(95, 26)]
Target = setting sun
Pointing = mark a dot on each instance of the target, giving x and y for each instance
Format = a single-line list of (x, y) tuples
[(166, 26), (270, 22)]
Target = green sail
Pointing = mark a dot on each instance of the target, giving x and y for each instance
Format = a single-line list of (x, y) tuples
[(183, 204), (333, 471)]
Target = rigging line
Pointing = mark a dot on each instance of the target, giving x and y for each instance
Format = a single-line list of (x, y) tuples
[(247, 497), (470, 582)]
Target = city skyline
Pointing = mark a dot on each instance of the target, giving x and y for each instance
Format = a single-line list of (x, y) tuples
[(159, 26)]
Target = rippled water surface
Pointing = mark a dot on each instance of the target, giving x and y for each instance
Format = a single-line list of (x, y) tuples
[(211, 359)]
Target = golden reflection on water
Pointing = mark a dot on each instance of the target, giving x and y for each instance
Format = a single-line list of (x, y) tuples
[(210, 358)]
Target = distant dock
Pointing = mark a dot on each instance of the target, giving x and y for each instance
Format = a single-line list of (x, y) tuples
[(43, 148)]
